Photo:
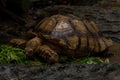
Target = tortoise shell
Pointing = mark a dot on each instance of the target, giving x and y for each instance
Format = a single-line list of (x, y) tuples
[(73, 34)]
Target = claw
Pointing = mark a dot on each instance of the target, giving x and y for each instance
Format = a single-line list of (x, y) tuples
[(48, 54)]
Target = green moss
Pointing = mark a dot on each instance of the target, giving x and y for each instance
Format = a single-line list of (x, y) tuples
[(9, 54), (84, 60)]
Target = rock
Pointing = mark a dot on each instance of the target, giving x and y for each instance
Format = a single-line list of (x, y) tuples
[(60, 72)]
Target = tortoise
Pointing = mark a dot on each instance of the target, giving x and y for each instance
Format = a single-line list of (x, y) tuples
[(65, 35)]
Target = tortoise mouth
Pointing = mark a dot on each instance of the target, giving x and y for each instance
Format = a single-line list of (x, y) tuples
[(29, 52), (53, 59)]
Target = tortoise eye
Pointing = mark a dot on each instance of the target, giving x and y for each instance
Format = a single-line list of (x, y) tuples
[(56, 55), (28, 51)]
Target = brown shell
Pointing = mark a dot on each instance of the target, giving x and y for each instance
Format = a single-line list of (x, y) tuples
[(73, 33)]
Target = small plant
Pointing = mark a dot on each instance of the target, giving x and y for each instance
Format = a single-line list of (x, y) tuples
[(9, 54), (91, 60), (84, 60)]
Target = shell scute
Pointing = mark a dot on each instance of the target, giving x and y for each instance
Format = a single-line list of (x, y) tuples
[(94, 26), (89, 27), (73, 42), (61, 29), (102, 44), (47, 25), (91, 43), (80, 27)]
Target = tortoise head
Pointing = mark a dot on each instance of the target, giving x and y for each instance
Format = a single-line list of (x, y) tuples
[(32, 46), (29, 51), (48, 54), (53, 58), (50, 57)]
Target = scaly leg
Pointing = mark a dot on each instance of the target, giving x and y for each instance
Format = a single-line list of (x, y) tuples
[(18, 42), (48, 54)]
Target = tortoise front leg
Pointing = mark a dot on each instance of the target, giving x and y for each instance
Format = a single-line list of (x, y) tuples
[(48, 54), (18, 42), (34, 46)]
